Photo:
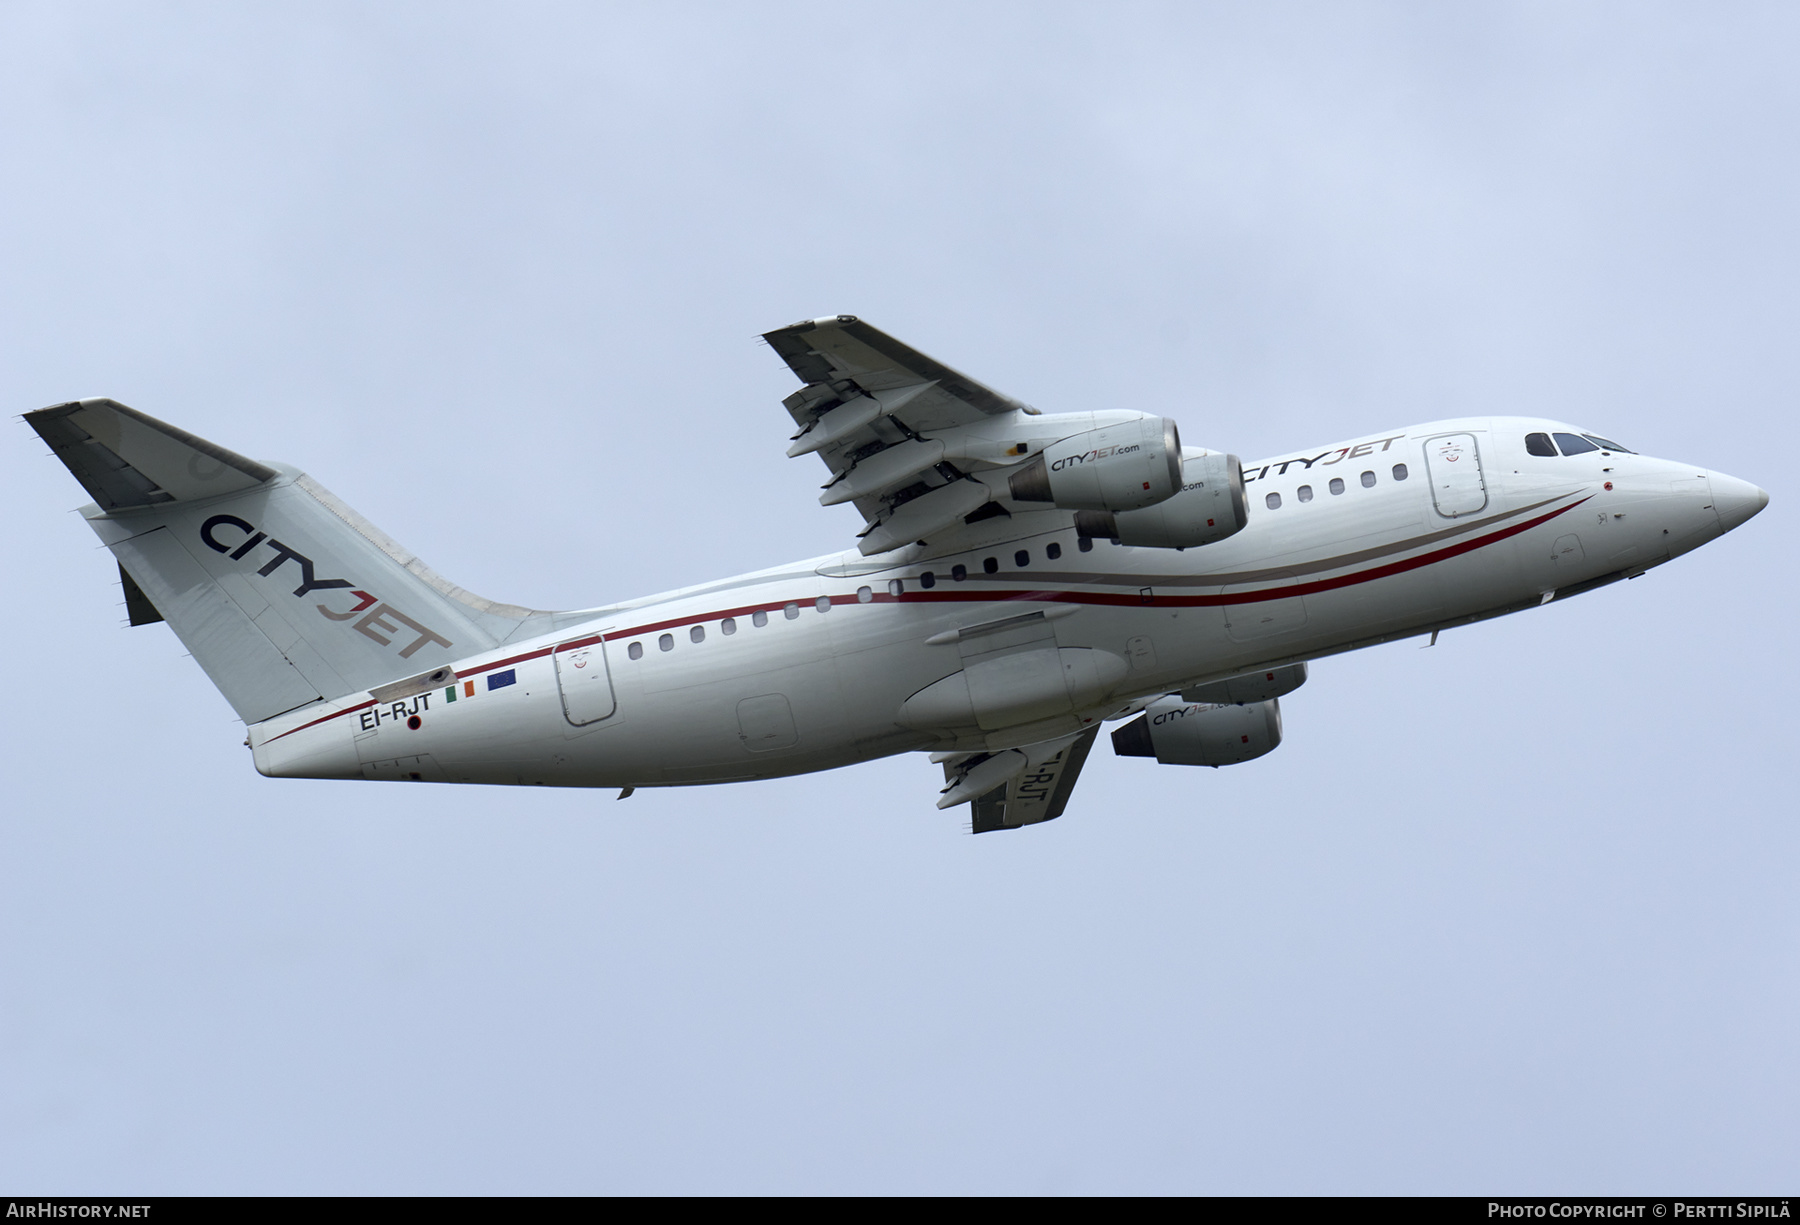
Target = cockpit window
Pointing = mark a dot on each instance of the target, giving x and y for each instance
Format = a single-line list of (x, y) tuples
[(1574, 444), (1539, 444), (1606, 445)]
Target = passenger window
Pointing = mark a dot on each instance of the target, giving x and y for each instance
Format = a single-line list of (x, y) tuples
[(1539, 444), (666, 643), (895, 587), (697, 634), (1273, 501), (823, 603), (1086, 544), (1022, 558), (790, 611), (1368, 480), (635, 650), (958, 573), (1399, 472), (728, 626), (990, 565), (1337, 484), (759, 618), (928, 580), (1053, 550), (1574, 444), (1604, 445), (1305, 493), (864, 595)]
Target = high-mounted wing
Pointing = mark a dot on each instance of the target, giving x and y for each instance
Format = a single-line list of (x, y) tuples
[(900, 431), (922, 449), (826, 353)]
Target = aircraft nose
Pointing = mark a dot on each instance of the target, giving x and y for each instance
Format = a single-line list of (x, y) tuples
[(1734, 501)]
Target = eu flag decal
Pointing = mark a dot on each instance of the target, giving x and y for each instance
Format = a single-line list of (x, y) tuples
[(500, 680)]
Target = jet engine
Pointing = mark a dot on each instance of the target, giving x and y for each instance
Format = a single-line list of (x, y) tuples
[(1120, 467), (1209, 507), (1179, 733)]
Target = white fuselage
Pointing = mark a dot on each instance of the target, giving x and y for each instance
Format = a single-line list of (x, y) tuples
[(807, 666)]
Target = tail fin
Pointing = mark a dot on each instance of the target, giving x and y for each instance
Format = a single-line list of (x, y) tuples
[(281, 592)]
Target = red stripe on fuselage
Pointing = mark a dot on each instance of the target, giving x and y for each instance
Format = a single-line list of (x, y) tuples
[(1133, 599), (1239, 597)]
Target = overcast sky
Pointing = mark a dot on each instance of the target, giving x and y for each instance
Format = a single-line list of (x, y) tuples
[(1513, 914)]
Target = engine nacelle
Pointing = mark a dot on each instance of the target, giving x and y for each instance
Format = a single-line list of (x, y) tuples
[(1179, 733), (1209, 507), (1121, 467), (1250, 687)]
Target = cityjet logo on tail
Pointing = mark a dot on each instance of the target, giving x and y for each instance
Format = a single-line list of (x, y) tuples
[(377, 618), (1088, 457)]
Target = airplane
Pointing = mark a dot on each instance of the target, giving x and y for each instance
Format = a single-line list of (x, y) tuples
[(1022, 580)]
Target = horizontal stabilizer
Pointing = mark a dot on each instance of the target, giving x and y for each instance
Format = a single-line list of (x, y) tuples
[(127, 459)]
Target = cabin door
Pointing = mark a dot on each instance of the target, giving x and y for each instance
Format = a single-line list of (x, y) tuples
[(1455, 466), (581, 675)]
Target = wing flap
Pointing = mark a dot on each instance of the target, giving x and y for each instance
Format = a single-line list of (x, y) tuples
[(925, 515), (885, 470), (1039, 793)]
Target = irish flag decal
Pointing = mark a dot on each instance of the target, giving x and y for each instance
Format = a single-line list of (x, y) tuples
[(495, 680)]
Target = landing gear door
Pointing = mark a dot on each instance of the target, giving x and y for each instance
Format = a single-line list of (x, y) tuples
[(585, 683), (1457, 487)]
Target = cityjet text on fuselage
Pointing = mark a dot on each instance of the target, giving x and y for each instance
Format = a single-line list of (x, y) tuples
[(1323, 459)]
